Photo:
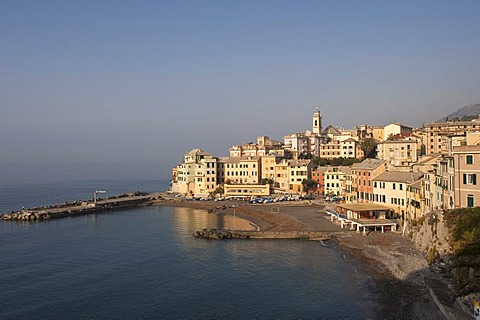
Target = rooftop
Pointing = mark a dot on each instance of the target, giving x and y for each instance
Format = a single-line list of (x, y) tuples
[(398, 176), (368, 164)]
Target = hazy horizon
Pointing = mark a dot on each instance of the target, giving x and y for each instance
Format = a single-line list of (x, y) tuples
[(124, 88)]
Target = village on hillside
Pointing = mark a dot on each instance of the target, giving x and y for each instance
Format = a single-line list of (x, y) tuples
[(411, 171)]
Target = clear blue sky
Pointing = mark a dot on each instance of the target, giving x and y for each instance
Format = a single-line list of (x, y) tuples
[(138, 83)]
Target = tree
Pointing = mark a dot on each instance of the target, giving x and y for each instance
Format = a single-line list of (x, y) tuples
[(305, 155), (369, 147), (465, 240), (467, 263), (392, 137), (266, 181), (308, 184), (349, 161)]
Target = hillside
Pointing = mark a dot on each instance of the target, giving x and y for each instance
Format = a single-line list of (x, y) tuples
[(466, 113)]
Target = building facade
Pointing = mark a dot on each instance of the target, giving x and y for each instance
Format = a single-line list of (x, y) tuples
[(467, 172)]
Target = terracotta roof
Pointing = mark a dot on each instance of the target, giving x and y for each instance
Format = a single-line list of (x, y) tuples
[(298, 163), (237, 159), (368, 164)]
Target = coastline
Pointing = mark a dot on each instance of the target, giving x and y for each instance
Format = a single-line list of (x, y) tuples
[(392, 262)]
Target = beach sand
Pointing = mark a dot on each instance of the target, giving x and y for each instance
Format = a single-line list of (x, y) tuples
[(396, 267)]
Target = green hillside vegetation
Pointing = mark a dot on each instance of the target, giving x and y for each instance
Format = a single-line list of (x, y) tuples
[(465, 241)]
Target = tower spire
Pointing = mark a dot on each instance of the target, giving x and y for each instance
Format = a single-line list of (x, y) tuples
[(317, 122)]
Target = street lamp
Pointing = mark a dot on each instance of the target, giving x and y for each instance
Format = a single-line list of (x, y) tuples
[(95, 196), (234, 220)]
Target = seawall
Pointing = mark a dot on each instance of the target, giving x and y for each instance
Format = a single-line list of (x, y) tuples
[(129, 200), (230, 234)]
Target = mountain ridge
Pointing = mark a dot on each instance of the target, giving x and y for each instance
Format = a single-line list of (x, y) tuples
[(465, 113)]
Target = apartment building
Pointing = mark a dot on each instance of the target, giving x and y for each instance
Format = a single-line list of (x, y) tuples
[(319, 178), (347, 186), (362, 174), (396, 129), (241, 170), (416, 199), (197, 175), (298, 171), (467, 173), (334, 181), (281, 175), (390, 189), (381, 133), (436, 134), (302, 143), (398, 152), (341, 148), (331, 150), (269, 165), (264, 146)]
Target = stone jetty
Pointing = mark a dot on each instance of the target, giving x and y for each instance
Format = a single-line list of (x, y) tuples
[(215, 234), (121, 201)]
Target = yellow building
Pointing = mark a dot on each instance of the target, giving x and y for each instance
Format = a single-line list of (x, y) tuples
[(242, 170), (268, 166), (298, 171), (334, 181), (416, 204), (390, 189), (281, 175)]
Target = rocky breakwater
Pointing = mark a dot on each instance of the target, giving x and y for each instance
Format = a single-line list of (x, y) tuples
[(25, 215)]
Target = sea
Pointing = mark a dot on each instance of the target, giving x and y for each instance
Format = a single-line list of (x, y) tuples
[(144, 263)]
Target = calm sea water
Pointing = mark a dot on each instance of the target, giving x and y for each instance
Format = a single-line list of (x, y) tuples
[(144, 263)]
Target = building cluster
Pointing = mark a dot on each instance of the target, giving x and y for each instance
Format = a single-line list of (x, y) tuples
[(415, 171)]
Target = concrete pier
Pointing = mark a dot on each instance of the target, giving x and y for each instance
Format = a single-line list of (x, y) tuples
[(80, 208), (300, 235)]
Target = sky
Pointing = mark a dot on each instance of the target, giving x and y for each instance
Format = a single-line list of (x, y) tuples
[(124, 88)]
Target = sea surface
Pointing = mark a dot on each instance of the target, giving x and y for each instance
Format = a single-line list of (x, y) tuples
[(144, 263)]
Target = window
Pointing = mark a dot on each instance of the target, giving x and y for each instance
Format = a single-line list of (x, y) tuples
[(470, 200), (400, 186), (470, 178), (393, 186), (469, 159)]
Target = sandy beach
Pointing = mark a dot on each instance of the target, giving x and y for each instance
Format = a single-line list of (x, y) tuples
[(393, 263)]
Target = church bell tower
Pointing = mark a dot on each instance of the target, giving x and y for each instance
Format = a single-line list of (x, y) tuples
[(317, 122)]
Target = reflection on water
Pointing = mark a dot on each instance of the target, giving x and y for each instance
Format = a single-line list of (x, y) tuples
[(144, 263), (188, 219)]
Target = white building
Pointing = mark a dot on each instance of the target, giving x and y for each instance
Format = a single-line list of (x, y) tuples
[(197, 175)]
